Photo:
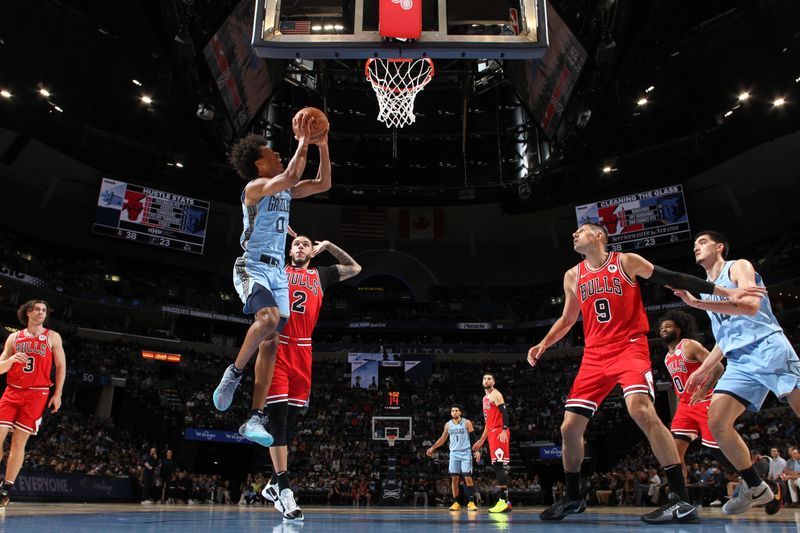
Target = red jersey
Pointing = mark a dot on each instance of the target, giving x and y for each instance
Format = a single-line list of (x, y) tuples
[(306, 288), (491, 414), (611, 303), (35, 373), (680, 369)]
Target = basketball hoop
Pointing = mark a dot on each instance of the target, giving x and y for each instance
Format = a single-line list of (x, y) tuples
[(391, 440), (396, 83)]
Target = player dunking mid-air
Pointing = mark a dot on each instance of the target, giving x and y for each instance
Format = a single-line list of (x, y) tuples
[(258, 275), (684, 356), (604, 290), (461, 433), (27, 360), (291, 384), (760, 359), (495, 415)]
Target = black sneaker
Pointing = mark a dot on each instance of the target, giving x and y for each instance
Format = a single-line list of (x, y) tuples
[(562, 508), (675, 511), (4, 499)]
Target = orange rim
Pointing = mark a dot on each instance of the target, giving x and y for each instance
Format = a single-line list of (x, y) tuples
[(399, 60)]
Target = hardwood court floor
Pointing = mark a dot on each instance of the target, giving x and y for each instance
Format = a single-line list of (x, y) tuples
[(111, 518)]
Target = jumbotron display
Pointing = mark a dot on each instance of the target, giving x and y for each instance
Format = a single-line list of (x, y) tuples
[(640, 220), (151, 216)]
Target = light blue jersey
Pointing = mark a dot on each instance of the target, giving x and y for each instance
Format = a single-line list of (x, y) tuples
[(460, 448), (265, 224), (459, 437), (760, 357), (734, 332), (258, 275)]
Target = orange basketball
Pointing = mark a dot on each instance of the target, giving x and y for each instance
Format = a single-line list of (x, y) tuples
[(319, 127)]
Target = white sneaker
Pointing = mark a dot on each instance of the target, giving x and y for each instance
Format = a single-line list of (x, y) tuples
[(716, 503), (748, 497), (270, 492), (290, 509)]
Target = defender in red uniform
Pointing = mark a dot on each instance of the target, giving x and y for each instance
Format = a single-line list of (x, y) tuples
[(291, 382), (495, 428), (604, 290), (684, 356), (27, 359)]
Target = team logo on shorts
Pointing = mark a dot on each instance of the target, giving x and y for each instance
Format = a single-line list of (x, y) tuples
[(612, 268), (405, 4)]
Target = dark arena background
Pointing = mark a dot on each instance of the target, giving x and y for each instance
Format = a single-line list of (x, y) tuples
[(119, 208)]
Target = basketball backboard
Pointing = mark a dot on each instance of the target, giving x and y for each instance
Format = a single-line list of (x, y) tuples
[(348, 29), (391, 425)]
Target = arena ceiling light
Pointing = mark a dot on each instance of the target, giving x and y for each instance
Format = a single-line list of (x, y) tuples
[(642, 102), (744, 96), (5, 94), (778, 102), (44, 92), (650, 89), (146, 99), (136, 82)]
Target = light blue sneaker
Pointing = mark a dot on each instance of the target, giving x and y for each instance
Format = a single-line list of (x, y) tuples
[(254, 430), (223, 394)]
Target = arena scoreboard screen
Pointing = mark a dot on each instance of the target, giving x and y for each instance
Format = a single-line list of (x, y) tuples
[(150, 216), (640, 220)]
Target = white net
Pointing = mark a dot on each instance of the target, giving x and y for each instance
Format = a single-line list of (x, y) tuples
[(396, 83)]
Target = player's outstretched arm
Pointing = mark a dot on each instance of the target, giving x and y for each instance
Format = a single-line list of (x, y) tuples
[(568, 318), (60, 361), (439, 441), (744, 275), (742, 299), (322, 182), (347, 267)]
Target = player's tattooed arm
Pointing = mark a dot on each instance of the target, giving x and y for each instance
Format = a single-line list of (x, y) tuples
[(568, 318), (347, 267)]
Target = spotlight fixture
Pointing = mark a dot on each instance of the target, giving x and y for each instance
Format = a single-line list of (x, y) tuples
[(44, 92), (316, 27), (5, 94), (728, 113), (642, 102), (744, 96), (650, 89), (179, 164), (146, 99), (137, 83), (607, 169), (778, 102)]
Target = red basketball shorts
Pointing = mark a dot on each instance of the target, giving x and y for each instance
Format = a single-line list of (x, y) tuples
[(691, 421), (23, 408), (499, 450), (292, 379), (626, 363)]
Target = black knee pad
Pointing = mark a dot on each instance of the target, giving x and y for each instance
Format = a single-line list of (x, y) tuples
[(278, 414), (500, 473)]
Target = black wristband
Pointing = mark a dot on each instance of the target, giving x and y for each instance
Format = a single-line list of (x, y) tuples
[(679, 280)]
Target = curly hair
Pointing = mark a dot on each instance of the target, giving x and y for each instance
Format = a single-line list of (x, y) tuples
[(683, 321), (24, 309), (245, 153)]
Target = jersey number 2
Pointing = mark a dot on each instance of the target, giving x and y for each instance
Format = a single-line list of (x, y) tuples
[(602, 309), (28, 368), (299, 304)]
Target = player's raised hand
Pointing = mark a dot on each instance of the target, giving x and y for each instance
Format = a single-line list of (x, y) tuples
[(302, 125), (535, 353), (319, 247)]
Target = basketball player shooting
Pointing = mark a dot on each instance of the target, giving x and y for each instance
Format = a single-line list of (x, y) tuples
[(258, 275), (604, 290)]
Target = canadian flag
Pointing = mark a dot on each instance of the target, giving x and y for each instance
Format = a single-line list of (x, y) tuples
[(421, 223)]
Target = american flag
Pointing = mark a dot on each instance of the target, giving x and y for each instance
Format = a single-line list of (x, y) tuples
[(297, 27), (364, 223)]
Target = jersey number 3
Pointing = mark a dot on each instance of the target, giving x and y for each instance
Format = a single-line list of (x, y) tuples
[(28, 368), (602, 309)]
